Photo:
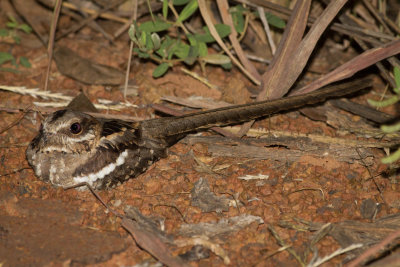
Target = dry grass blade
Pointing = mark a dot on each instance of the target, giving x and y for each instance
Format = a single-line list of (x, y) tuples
[(206, 16), (358, 63), (276, 71), (293, 55), (371, 251), (304, 50), (337, 252), (50, 47), (128, 66), (89, 19), (227, 19), (267, 29)]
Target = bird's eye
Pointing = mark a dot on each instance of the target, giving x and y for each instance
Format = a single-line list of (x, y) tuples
[(75, 128)]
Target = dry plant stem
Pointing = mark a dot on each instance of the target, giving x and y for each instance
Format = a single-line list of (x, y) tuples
[(266, 29), (128, 67), (376, 14), (35, 92), (375, 249), (20, 117), (199, 78), (97, 115), (311, 189), (276, 71), (180, 24), (89, 19), (146, 240), (15, 171), (223, 7), (292, 36), (206, 16), (371, 176), (174, 208), (303, 51), (124, 27), (91, 11), (283, 244), (92, 23), (385, 73), (152, 244), (11, 110), (270, 254), (337, 252), (391, 24), (262, 138), (50, 47), (96, 195), (344, 29), (356, 64)]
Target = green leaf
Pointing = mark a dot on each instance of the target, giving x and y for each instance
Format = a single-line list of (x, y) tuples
[(165, 46), (165, 9), (17, 39), (160, 70), (384, 103), (25, 62), (390, 128), (238, 18), (140, 53), (222, 30), (12, 19), (181, 50), (14, 62), (9, 70), (203, 50), (180, 2), (192, 39), (217, 59), (5, 57), (131, 32), (3, 32), (149, 42), (12, 24), (227, 66), (396, 73), (154, 26), (188, 10), (275, 20), (192, 55), (25, 28), (142, 39), (392, 157), (156, 40)]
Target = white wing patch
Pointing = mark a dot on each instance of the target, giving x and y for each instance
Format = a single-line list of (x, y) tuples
[(91, 178)]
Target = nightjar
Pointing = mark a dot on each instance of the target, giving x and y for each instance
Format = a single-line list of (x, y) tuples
[(74, 147)]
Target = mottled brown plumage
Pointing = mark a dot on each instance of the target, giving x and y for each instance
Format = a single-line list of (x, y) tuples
[(73, 147)]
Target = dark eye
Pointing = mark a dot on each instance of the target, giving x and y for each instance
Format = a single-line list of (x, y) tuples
[(75, 128)]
